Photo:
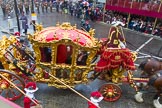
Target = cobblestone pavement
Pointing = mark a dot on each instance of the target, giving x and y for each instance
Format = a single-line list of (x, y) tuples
[(59, 98)]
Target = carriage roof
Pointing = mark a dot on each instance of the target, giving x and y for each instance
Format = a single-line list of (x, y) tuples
[(67, 32)]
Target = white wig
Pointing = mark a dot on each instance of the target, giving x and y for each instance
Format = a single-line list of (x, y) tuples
[(116, 23)]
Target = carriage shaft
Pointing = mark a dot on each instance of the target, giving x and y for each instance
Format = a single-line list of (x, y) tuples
[(141, 79)]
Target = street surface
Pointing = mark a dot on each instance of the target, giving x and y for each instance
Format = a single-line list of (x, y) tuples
[(59, 98)]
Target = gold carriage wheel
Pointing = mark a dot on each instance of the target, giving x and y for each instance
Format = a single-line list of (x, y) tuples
[(7, 90), (111, 92)]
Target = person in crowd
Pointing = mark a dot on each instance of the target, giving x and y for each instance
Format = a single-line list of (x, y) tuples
[(3, 6), (26, 7), (108, 17), (37, 5), (61, 6), (82, 58), (160, 31), (33, 22), (51, 6), (131, 23), (57, 6), (43, 6), (155, 32), (92, 14), (87, 14), (46, 6), (20, 6), (143, 27), (24, 20), (71, 10), (149, 28), (79, 12), (95, 11), (82, 23), (87, 26)]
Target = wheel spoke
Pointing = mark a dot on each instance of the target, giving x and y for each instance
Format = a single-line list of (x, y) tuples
[(105, 93), (7, 93), (19, 85), (117, 93), (105, 90), (1, 91), (13, 79), (13, 92)]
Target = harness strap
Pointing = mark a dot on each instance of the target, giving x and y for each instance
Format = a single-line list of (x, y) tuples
[(154, 78)]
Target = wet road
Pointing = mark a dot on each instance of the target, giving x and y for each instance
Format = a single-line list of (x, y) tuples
[(59, 98)]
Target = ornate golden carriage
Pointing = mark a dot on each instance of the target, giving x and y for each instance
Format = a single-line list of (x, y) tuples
[(57, 50)]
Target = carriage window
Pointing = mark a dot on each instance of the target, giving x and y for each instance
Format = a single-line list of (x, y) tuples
[(64, 54), (78, 74), (45, 54), (62, 73), (82, 57)]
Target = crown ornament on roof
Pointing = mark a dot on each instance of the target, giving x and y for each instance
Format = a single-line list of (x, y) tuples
[(92, 32), (66, 26)]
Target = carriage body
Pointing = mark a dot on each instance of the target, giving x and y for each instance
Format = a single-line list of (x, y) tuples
[(57, 51)]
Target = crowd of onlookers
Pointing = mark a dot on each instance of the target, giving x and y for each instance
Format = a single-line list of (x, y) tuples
[(138, 23), (80, 10), (147, 1), (87, 11)]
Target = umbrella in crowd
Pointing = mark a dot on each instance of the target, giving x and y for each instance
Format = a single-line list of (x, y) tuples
[(85, 3)]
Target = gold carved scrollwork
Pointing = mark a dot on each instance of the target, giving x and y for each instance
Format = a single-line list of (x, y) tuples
[(39, 74), (75, 26), (67, 26), (134, 56), (92, 32), (39, 27), (37, 53), (6, 46), (5, 43)]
